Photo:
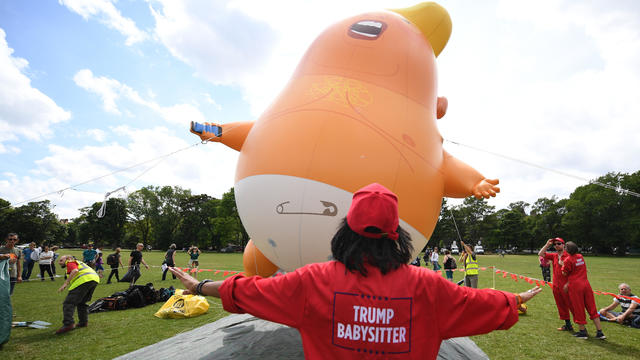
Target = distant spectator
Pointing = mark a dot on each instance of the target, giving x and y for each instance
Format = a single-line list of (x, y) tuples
[(44, 261), (169, 260), (468, 258), (449, 264), (434, 259), (28, 261), (135, 259), (630, 314), (89, 256), (10, 251), (113, 260), (194, 253), (427, 256), (99, 267), (55, 259), (545, 266)]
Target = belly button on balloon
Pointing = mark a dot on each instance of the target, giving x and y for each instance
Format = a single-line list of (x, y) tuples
[(408, 140)]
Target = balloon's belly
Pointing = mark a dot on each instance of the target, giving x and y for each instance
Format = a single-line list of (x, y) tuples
[(292, 220)]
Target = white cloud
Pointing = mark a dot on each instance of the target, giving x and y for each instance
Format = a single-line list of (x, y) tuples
[(202, 168), (252, 44), (557, 85), (111, 91), (97, 134), (24, 110), (210, 101), (221, 43), (106, 12)]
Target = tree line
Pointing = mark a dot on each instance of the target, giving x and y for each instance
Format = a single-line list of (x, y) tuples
[(153, 216), (600, 220)]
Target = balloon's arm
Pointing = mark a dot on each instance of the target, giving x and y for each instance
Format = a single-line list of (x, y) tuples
[(233, 134), (461, 180)]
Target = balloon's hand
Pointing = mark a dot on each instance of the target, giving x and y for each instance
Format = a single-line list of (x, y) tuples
[(206, 131), (486, 188)]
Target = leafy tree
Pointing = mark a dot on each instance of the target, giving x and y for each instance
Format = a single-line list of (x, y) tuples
[(142, 206), (229, 223), (445, 231), (167, 220), (195, 227), (470, 218), (5, 213), (108, 230), (512, 225), (35, 222), (595, 216)]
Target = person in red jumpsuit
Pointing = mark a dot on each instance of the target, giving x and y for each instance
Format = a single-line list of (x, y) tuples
[(561, 298), (367, 302), (580, 292)]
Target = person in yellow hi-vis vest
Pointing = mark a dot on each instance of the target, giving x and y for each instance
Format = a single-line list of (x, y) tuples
[(468, 258), (82, 281)]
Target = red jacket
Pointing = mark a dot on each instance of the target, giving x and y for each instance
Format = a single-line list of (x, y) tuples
[(342, 315), (576, 269), (558, 279)]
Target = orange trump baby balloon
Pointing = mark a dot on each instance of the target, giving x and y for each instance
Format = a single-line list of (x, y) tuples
[(361, 107)]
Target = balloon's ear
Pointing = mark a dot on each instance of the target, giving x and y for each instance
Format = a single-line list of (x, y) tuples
[(441, 108)]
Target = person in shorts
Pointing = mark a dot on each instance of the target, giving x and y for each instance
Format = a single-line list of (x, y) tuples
[(194, 254)]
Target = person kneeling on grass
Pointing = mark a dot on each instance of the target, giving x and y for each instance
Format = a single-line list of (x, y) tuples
[(630, 314), (369, 299), (82, 281)]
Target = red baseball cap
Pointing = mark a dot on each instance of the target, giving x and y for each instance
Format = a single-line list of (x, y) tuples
[(559, 240), (374, 206)]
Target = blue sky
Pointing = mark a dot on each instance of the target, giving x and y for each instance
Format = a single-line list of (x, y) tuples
[(89, 87)]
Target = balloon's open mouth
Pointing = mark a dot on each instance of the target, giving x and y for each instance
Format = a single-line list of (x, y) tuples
[(367, 29)]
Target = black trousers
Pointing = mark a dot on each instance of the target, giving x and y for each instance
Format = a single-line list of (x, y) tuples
[(78, 298), (164, 273), (114, 271), (47, 268), (546, 273)]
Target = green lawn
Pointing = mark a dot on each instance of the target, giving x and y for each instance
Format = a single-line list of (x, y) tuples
[(111, 334)]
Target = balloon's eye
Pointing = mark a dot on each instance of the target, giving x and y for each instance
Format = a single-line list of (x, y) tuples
[(367, 29)]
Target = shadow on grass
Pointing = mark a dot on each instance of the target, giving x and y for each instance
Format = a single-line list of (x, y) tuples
[(34, 335), (615, 348)]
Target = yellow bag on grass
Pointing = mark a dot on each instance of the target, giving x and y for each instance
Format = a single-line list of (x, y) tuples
[(183, 306)]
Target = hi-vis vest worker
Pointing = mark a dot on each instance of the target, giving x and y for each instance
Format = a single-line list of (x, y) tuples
[(85, 274), (470, 265)]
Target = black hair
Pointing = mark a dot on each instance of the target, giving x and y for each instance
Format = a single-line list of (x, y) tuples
[(571, 247), (353, 249)]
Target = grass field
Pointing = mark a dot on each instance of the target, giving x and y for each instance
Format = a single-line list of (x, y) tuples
[(111, 334)]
